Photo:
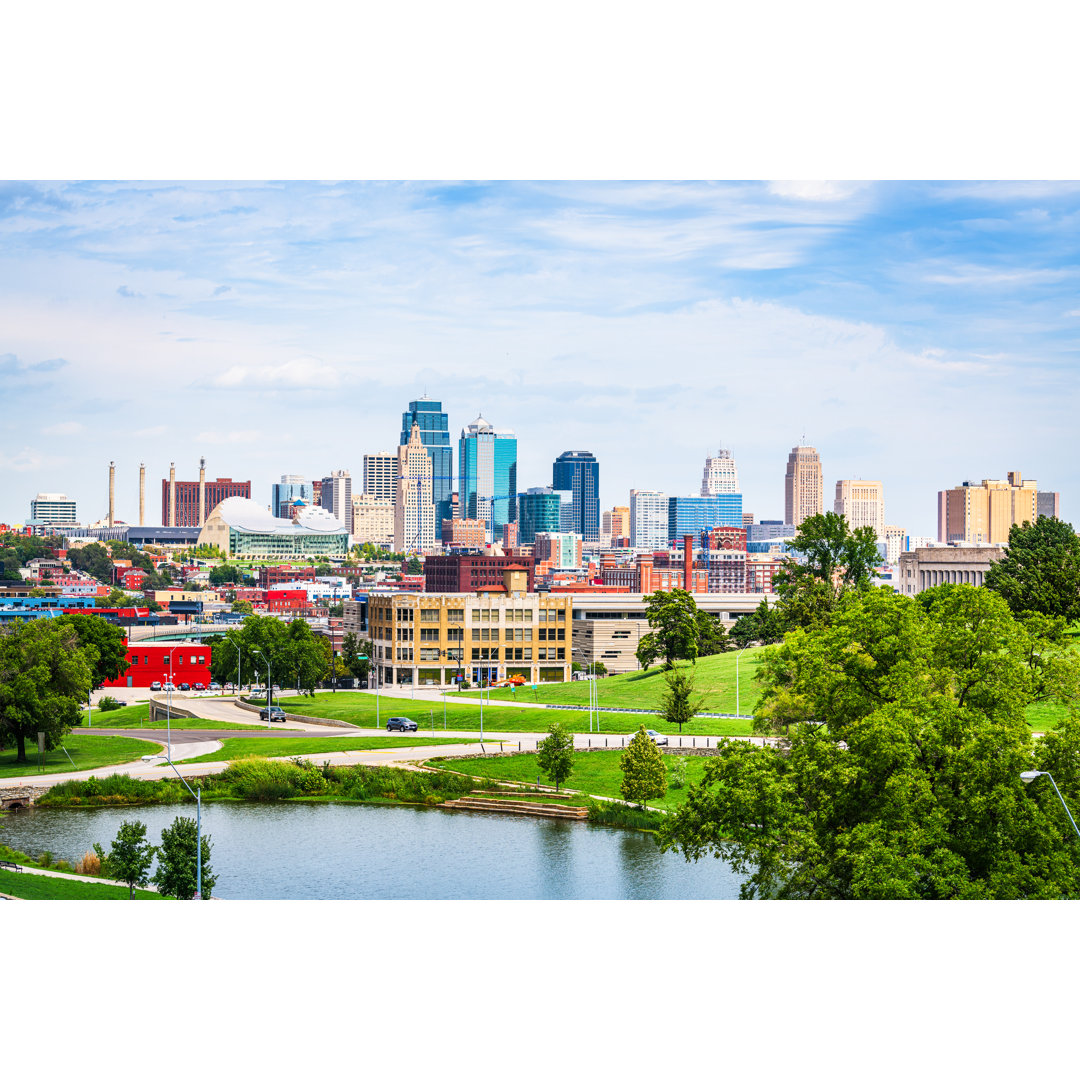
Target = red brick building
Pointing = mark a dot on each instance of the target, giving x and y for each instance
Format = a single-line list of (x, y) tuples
[(466, 533), (272, 576), (153, 663), (187, 498), (471, 573)]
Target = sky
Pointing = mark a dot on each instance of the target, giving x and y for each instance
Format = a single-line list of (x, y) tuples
[(920, 334)]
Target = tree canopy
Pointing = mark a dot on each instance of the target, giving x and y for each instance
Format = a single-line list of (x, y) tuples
[(897, 771), (105, 646), (675, 631), (644, 775), (678, 705), (296, 655), (764, 624), (130, 856), (1040, 571), (177, 870), (555, 754), (44, 679)]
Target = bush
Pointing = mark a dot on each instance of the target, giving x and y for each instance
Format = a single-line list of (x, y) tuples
[(89, 864), (109, 704), (676, 771), (627, 817), (45, 859)]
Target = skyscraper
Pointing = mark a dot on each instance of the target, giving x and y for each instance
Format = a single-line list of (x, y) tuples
[(291, 488), (414, 509), (538, 511), (578, 471), (648, 518), (984, 513), (380, 477), (337, 495), (862, 502), (721, 475), (432, 423), (487, 475), (804, 489), (52, 508)]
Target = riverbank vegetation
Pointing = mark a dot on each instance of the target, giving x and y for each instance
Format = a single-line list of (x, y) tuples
[(87, 752), (238, 748), (41, 887)]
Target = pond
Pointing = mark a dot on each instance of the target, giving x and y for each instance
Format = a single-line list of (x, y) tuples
[(349, 852)]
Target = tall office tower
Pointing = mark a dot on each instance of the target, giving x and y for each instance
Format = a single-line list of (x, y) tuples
[(648, 518), (721, 475), (429, 417), (337, 496), (1049, 504), (804, 491), (372, 521), (180, 498), (538, 510), (984, 513), (487, 474), (52, 509), (862, 502), (291, 489), (380, 477), (895, 543), (616, 522), (694, 514), (414, 509), (578, 471)]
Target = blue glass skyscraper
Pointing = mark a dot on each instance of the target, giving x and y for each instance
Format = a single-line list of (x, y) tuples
[(693, 513), (487, 475), (429, 417), (578, 471)]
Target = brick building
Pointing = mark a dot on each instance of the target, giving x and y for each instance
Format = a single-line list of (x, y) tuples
[(150, 663), (464, 533), (470, 573), (187, 498)]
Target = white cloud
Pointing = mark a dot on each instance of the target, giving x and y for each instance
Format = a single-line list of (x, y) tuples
[(68, 427), (817, 190), (298, 374)]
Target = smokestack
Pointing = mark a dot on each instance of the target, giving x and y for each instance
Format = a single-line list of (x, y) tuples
[(172, 493), (202, 491), (112, 493), (688, 562), (142, 493)]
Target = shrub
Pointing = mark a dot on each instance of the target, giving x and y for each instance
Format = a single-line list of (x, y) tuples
[(677, 772), (89, 864), (45, 859), (627, 817), (109, 704)]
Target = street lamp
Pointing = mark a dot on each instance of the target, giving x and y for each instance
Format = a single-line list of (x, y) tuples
[(198, 831), (168, 703), (269, 698), (1034, 774)]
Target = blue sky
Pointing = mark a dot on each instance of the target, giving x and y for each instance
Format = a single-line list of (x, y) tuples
[(919, 334)]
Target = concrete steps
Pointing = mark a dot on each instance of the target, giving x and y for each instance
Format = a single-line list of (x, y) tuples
[(513, 806)]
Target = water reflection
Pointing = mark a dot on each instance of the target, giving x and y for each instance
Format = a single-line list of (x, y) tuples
[(343, 852)]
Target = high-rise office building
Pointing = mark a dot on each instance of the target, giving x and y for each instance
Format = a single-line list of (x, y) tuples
[(721, 476), (616, 523), (380, 480), (694, 514), (372, 521), (539, 510), (432, 423), (292, 489), (337, 496), (414, 509), (984, 513), (804, 490), (52, 509), (862, 502), (487, 475), (648, 518), (895, 543), (578, 471), (1048, 504)]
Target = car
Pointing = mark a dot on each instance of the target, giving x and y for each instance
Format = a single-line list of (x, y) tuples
[(273, 712), (168, 686), (656, 737), (155, 685), (198, 686), (400, 723), (185, 686), (214, 686)]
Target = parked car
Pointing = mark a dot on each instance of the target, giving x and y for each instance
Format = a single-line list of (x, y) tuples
[(185, 686), (214, 686), (168, 686), (657, 738), (155, 685), (273, 712), (400, 723), (198, 686)]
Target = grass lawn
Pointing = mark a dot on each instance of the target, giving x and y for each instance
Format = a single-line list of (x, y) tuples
[(359, 709), (1045, 716), (595, 773), (125, 716), (40, 887), (234, 749), (714, 679), (87, 752)]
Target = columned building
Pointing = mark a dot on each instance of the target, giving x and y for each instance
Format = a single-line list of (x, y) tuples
[(804, 491), (928, 567)]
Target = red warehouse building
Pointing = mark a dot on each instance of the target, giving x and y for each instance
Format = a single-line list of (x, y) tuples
[(153, 663)]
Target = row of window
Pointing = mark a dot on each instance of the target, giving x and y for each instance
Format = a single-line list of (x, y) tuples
[(196, 658), (404, 654)]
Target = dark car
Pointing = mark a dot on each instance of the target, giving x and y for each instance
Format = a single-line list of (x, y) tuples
[(400, 723), (184, 686), (273, 712)]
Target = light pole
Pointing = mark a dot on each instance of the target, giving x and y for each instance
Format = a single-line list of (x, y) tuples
[(738, 657), (198, 831), (1034, 774), (168, 703), (269, 699)]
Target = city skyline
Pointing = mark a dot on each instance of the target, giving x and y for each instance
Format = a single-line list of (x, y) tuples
[(901, 328)]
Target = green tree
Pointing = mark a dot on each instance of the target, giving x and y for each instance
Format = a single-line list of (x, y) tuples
[(226, 575), (648, 651), (897, 774), (1040, 571), (644, 775), (336, 611), (678, 704), (93, 559), (45, 676), (837, 562), (763, 624), (117, 598), (243, 606), (673, 619), (356, 655), (712, 637), (105, 646), (555, 754), (130, 856), (177, 871), (413, 566)]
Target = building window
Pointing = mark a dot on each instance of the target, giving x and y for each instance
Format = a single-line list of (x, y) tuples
[(455, 614), (429, 614)]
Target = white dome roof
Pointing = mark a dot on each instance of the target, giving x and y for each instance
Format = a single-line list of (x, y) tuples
[(246, 515)]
